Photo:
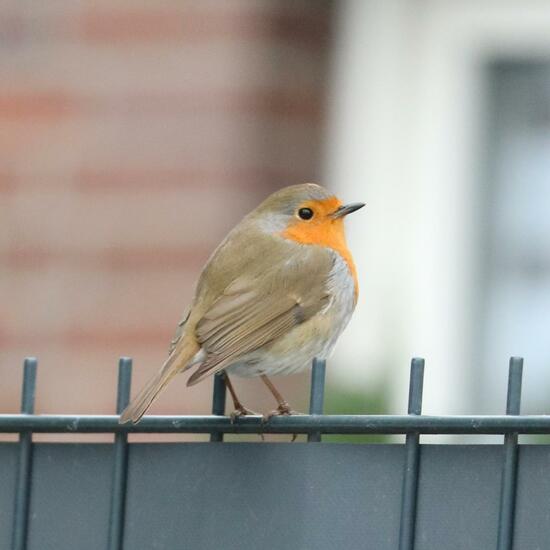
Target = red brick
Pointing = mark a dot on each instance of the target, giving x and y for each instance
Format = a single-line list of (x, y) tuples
[(56, 105), (41, 105), (133, 179), (279, 103), (13, 28), (123, 258), (84, 339), (309, 27), (46, 305), (7, 181), (96, 227)]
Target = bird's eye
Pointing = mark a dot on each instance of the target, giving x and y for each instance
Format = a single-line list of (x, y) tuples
[(305, 213)]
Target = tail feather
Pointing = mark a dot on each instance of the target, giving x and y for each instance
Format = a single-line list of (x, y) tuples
[(139, 405)]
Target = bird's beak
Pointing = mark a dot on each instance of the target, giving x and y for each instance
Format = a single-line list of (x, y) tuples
[(347, 209)]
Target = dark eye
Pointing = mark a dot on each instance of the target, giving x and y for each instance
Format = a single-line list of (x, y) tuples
[(305, 213)]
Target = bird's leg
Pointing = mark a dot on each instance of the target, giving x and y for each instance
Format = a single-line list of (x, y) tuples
[(240, 409), (283, 408)]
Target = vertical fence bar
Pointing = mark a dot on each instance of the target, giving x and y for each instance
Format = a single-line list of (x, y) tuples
[(510, 465), (412, 460), (218, 402), (24, 467), (120, 465), (317, 394)]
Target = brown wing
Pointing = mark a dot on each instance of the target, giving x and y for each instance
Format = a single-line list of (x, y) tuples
[(248, 316), (179, 331)]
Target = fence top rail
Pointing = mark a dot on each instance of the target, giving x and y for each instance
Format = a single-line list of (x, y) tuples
[(313, 424), (301, 424)]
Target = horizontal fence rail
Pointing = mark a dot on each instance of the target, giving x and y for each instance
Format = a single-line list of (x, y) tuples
[(313, 424), (304, 424)]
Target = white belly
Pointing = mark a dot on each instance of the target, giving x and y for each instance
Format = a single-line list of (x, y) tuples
[(317, 335)]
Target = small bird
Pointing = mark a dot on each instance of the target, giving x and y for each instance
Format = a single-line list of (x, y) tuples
[(277, 292)]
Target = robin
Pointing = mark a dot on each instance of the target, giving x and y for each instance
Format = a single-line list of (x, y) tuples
[(277, 292)]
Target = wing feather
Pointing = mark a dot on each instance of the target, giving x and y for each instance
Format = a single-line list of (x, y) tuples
[(253, 311), (244, 342)]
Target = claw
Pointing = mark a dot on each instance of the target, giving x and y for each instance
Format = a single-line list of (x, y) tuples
[(282, 410), (242, 411)]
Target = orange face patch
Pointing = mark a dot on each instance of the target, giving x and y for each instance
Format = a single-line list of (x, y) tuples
[(323, 230)]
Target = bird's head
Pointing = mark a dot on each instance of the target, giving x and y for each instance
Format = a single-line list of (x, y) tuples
[(306, 214)]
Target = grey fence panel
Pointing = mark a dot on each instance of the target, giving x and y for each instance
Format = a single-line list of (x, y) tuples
[(71, 496), (283, 496), (8, 466), (532, 521), (278, 496), (458, 497)]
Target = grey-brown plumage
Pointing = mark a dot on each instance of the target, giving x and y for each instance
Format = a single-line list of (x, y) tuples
[(260, 300)]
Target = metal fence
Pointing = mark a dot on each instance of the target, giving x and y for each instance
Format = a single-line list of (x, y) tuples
[(313, 425)]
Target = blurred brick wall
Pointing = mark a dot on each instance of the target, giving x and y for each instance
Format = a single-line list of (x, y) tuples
[(133, 135)]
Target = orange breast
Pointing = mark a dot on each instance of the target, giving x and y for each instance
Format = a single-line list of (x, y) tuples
[(324, 231)]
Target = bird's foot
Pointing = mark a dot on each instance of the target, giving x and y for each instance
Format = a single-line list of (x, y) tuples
[(241, 410), (283, 410)]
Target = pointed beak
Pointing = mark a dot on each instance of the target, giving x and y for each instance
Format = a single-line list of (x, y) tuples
[(347, 209)]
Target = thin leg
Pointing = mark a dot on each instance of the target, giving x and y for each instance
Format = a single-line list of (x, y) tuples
[(240, 409), (283, 406)]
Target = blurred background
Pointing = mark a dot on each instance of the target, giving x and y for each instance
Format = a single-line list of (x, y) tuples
[(134, 135)]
